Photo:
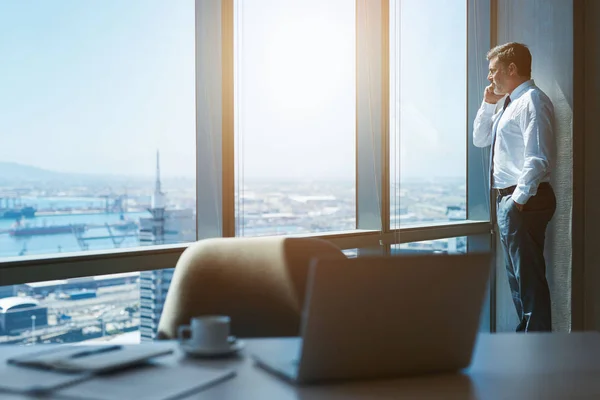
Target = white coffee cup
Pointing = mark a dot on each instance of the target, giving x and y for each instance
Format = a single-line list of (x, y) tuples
[(209, 332)]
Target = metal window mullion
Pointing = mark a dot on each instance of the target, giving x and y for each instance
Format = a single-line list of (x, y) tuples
[(478, 42), (209, 118), (385, 115), (65, 267), (480, 33), (369, 147), (228, 118), (132, 260)]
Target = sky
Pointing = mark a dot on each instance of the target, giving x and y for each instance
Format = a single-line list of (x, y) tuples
[(97, 86)]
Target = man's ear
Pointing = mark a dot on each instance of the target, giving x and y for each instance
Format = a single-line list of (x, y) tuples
[(512, 69)]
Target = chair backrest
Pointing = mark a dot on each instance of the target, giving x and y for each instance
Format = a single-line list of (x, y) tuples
[(259, 282)]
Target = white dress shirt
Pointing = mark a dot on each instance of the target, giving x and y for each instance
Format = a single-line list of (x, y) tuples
[(524, 151)]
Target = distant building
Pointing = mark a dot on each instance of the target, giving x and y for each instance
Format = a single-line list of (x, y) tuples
[(18, 314), (166, 226), (153, 292), (67, 285)]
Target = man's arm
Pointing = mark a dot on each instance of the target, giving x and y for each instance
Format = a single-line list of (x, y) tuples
[(482, 127), (538, 138)]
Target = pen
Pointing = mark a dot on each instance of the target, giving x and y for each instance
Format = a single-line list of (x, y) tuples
[(95, 351)]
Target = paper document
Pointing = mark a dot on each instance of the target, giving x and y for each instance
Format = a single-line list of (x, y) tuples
[(149, 382), (27, 380)]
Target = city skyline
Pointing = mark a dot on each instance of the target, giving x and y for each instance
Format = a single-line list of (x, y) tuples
[(20, 171)]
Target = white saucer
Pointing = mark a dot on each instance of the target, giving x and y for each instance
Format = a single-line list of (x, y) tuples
[(190, 350)]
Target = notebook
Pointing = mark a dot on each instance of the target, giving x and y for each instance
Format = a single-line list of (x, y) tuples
[(90, 359), (101, 373)]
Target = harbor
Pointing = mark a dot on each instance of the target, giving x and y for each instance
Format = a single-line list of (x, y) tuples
[(27, 216), (37, 225), (48, 241)]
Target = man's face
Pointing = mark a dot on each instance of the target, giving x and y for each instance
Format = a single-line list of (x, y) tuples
[(499, 76)]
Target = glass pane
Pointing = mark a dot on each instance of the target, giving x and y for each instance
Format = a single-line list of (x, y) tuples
[(93, 95), (294, 116), (428, 127), (455, 245), (120, 308), (99, 308)]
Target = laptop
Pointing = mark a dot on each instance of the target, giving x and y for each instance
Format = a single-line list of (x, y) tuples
[(384, 317)]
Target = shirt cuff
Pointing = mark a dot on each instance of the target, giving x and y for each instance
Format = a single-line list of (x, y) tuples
[(488, 108), (519, 197)]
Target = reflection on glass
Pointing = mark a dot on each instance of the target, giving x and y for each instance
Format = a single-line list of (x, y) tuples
[(97, 116), (295, 116), (428, 130), (455, 245), (351, 253)]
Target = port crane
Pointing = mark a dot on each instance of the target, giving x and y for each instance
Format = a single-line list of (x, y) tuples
[(117, 239)]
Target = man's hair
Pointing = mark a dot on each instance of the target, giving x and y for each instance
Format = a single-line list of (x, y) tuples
[(513, 52)]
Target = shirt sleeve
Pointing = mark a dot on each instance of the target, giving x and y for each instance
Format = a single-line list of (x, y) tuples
[(538, 137), (482, 127)]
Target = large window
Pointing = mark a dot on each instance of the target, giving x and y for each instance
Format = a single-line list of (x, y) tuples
[(295, 116), (97, 125), (153, 122), (428, 103)]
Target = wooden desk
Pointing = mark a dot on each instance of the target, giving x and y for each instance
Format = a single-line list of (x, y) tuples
[(505, 366)]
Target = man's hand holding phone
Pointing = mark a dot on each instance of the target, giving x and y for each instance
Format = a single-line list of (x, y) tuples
[(489, 96)]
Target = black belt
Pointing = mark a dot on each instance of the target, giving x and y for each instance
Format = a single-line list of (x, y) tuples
[(511, 189), (507, 191)]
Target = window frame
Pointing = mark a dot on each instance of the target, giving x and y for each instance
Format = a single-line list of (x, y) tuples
[(215, 153)]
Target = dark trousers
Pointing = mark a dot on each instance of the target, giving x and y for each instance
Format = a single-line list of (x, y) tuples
[(522, 234)]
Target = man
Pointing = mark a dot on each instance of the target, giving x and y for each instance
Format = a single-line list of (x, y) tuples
[(516, 120)]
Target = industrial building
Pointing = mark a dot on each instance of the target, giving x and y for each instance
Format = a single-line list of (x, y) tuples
[(90, 283), (18, 314)]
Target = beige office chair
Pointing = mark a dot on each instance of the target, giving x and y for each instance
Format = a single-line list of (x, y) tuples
[(258, 282)]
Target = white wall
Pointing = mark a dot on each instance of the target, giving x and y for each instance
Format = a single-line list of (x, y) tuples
[(546, 26)]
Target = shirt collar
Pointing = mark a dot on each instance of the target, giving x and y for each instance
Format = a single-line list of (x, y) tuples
[(519, 90)]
